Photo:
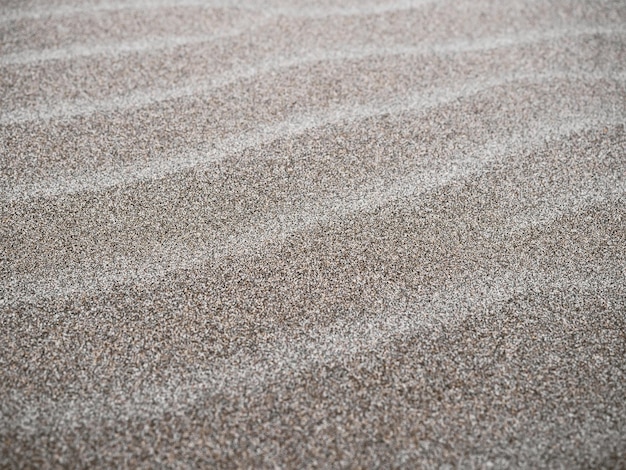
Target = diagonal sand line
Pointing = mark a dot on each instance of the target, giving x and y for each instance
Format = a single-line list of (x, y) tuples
[(281, 359), (149, 44), (299, 124), (163, 42), (401, 321), (366, 8), (365, 200), (143, 98), (146, 44)]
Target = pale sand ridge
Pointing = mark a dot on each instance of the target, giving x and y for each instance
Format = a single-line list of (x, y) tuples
[(143, 98), (287, 234), (294, 126)]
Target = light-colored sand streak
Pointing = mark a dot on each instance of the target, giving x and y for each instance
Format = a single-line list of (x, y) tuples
[(296, 125), (424, 270), (146, 97), (365, 200), (151, 44), (365, 8), (110, 49), (281, 360)]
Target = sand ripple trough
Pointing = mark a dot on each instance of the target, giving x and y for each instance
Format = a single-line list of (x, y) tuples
[(387, 233)]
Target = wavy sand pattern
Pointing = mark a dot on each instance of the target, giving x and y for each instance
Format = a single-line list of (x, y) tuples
[(313, 234)]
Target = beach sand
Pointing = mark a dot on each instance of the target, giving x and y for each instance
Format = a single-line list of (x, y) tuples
[(313, 234)]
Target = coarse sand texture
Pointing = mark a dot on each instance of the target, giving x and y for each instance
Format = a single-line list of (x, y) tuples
[(313, 234)]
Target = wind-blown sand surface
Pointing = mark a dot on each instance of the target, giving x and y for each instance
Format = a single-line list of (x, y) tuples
[(313, 234)]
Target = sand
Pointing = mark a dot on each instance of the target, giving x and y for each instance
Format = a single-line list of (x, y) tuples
[(313, 234)]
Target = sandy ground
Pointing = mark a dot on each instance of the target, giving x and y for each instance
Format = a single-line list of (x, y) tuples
[(313, 234)]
